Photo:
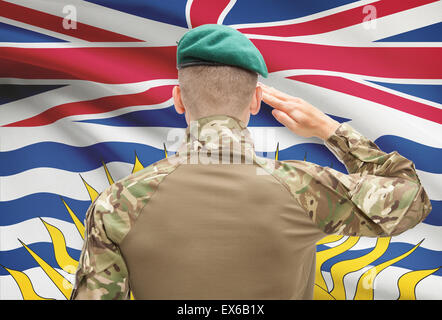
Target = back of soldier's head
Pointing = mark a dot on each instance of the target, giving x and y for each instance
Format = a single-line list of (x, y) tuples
[(208, 89)]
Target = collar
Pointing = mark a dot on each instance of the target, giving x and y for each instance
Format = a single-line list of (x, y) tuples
[(220, 138)]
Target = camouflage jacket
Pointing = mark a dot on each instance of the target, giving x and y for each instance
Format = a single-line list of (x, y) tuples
[(381, 196)]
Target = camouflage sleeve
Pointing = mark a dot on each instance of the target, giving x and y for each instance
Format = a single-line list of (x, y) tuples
[(381, 196), (102, 273), (361, 155)]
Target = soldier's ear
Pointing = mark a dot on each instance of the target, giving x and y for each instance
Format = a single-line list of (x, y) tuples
[(255, 104), (177, 101)]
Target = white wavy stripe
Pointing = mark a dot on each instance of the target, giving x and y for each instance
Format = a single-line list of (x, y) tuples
[(30, 27), (80, 134), (310, 17), (42, 285), (432, 236), (187, 12), (385, 284), (77, 91), (33, 231), (226, 11), (84, 134), (69, 184), (432, 183), (61, 182), (397, 23), (154, 32)]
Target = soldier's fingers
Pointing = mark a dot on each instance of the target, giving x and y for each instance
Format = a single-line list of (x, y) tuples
[(279, 94), (276, 102), (285, 120)]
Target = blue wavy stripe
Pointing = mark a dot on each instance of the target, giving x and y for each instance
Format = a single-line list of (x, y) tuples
[(249, 11), (167, 117), (75, 159), (9, 33), (170, 11), (420, 259), (40, 205), (431, 33), (423, 156), (424, 91), (80, 159), (20, 259), (435, 216)]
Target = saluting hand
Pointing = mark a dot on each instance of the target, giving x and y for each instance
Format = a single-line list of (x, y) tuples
[(298, 115)]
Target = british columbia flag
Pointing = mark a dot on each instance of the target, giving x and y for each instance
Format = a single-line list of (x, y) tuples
[(86, 99)]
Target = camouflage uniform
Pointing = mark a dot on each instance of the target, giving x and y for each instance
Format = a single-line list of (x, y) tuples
[(243, 230)]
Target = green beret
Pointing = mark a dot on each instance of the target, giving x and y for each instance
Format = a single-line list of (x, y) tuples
[(215, 44)]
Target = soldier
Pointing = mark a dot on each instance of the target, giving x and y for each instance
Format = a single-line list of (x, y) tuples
[(205, 223)]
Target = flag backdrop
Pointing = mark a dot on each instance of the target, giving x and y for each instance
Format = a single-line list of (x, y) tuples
[(85, 99)]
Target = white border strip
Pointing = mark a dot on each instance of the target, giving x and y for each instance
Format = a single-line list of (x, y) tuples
[(225, 12), (154, 32), (47, 32)]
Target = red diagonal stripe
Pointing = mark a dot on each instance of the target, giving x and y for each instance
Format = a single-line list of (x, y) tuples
[(336, 21), (389, 62), (134, 64), (107, 65), (372, 94), (54, 23), (100, 105), (203, 11)]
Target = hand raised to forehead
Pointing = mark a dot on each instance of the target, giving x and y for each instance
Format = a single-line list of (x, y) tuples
[(298, 115)]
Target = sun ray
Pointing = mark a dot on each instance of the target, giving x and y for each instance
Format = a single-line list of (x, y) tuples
[(365, 286), (407, 283), (165, 150), (324, 255), (25, 285), (62, 256), (320, 293), (60, 282), (329, 239), (137, 165), (78, 224), (341, 269), (108, 175), (93, 194), (277, 151)]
